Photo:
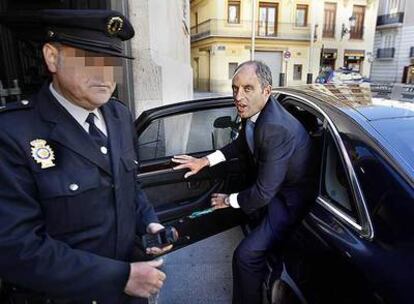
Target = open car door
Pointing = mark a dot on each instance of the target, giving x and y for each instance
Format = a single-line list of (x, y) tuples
[(195, 128)]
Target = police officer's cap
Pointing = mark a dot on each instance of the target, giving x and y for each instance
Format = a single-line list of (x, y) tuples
[(100, 31)]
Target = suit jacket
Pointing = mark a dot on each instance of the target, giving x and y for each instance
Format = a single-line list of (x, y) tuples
[(281, 155), (64, 240)]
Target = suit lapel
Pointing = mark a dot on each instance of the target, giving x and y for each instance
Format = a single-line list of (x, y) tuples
[(267, 110), (113, 124), (67, 131)]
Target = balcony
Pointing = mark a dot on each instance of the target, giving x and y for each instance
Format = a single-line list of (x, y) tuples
[(412, 52), (221, 28), (386, 53), (390, 19)]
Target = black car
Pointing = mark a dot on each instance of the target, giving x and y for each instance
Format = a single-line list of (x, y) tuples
[(356, 245)]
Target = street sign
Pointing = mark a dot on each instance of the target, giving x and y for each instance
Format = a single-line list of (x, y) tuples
[(287, 55)]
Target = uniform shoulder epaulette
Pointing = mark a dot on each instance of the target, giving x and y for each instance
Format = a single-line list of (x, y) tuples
[(115, 99), (16, 105)]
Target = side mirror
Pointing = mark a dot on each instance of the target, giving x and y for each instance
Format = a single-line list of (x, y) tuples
[(223, 122)]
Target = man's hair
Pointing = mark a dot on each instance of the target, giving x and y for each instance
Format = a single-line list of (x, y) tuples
[(262, 72)]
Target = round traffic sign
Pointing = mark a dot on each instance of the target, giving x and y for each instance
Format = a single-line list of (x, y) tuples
[(287, 54)]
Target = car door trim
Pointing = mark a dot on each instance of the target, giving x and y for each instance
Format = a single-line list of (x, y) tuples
[(324, 203), (366, 229)]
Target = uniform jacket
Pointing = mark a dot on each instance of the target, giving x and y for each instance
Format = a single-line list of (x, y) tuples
[(65, 240), (280, 158)]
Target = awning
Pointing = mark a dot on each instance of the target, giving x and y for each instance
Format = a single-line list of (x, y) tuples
[(355, 54), (329, 53)]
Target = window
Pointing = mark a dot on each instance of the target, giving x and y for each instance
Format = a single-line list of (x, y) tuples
[(357, 31), (393, 6), (297, 72), (335, 185), (329, 20), (185, 133), (232, 69), (301, 15), (388, 40), (267, 19), (233, 12)]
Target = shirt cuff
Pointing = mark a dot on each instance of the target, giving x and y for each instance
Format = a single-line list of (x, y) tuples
[(233, 200), (215, 158)]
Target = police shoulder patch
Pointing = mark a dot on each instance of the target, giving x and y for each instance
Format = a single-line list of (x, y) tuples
[(16, 105)]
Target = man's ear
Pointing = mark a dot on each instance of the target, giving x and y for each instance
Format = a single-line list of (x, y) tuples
[(51, 56), (267, 90)]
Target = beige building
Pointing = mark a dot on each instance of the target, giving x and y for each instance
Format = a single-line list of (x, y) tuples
[(290, 36), (221, 38), (345, 31)]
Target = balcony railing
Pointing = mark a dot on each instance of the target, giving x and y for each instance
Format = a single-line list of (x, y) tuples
[(412, 52), (390, 19), (221, 28), (385, 53)]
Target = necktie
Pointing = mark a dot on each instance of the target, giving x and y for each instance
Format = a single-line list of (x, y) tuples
[(98, 137), (250, 135)]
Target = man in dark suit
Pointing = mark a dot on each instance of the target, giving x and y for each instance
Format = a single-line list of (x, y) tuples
[(278, 147), (70, 206)]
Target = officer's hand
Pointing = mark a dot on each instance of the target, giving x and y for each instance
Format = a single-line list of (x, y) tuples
[(219, 201), (145, 279), (189, 162), (154, 228)]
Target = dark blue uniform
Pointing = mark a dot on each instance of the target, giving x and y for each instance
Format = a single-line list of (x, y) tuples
[(68, 230)]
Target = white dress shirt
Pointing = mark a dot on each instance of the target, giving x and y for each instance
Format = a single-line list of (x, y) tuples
[(80, 114), (218, 157)]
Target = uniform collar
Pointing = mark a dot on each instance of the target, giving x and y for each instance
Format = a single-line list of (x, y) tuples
[(80, 114)]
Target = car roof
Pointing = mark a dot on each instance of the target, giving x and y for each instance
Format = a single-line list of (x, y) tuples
[(357, 97), (355, 101)]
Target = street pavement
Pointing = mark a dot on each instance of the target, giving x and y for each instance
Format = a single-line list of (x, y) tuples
[(201, 273)]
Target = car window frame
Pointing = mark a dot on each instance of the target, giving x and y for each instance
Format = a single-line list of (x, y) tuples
[(364, 225)]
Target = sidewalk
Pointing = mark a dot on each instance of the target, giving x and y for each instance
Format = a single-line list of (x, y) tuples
[(201, 273)]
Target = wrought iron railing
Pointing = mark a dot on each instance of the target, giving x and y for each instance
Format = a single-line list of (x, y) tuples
[(385, 53), (218, 27), (390, 19)]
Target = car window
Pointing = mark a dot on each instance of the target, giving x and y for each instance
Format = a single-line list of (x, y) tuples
[(335, 185), (199, 131)]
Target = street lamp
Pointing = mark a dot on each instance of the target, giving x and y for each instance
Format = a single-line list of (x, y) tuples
[(346, 30)]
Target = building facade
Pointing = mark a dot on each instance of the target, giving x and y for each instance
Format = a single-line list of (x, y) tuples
[(394, 43), (295, 38), (345, 31), (223, 33)]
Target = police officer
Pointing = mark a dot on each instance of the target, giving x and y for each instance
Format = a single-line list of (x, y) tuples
[(70, 207)]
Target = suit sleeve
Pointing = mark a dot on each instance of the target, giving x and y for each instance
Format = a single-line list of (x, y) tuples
[(145, 211), (276, 145), (29, 256)]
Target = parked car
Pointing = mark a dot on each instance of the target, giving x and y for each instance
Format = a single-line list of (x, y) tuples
[(340, 76), (356, 245)]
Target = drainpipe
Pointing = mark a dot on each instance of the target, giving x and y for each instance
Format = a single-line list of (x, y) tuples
[(253, 29)]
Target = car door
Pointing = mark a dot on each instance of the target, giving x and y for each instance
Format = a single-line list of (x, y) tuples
[(324, 255), (195, 128)]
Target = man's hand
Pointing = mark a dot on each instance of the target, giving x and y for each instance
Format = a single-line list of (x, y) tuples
[(144, 279), (219, 201), (153, 228), (189, 162)]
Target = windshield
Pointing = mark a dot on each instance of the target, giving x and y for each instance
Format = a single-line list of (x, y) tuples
[(400, 134)]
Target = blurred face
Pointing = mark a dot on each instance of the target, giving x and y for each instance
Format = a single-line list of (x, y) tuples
[(249, 97), (85, 78)]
